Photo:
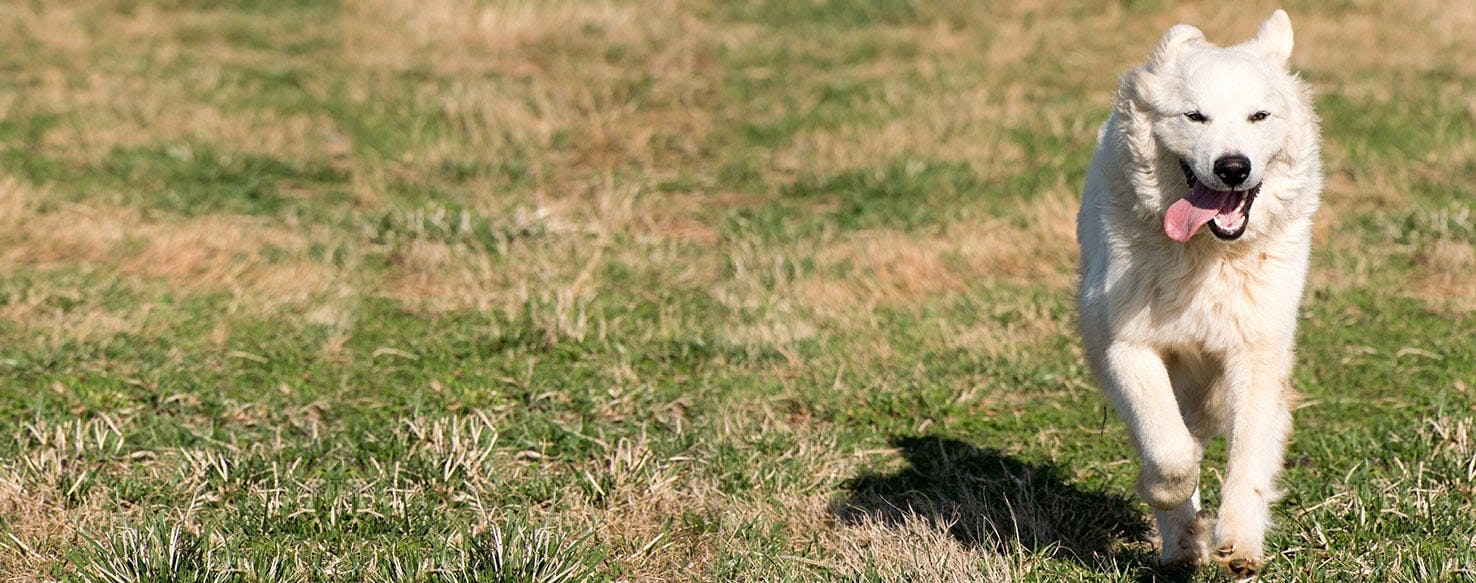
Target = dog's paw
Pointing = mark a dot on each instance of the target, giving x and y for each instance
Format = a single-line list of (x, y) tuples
[(1189, 548), (1182, 561), (1242, 564)]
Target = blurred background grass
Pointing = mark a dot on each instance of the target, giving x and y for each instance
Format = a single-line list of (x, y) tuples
[(648, 291)]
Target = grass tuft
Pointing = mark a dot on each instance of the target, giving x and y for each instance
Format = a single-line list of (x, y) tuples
[(148, 553)]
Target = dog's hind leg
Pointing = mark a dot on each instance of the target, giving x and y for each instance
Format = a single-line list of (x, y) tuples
[(1257, 441)]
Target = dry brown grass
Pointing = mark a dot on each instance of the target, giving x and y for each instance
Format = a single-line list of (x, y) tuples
[(960, 126), (643, 498), (1443, 262), (1447, 275), (42, 503), (523, 74), (1378, 36), (526, 77), (87, 320), (555, 266), (890, 268), (123, 111), (116, 107), (965, 112), (151, 116), (263, 265), (559, 267), (917, 550), (210, 254), (37, 527), (58, 29)]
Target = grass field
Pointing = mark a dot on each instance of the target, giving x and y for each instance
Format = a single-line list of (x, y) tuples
[(490, 290)]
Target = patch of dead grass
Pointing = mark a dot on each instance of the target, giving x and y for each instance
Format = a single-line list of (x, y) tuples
[(916, 549), (37, 528), (151, 115), (670, 239), (40, 512), (208, 254), (1012, 331), (57, 28), (444, 276), (890, 268), (679, 218), (595, 86), (643, 499), (1447, 275), (776, 329), (1403, 38), (556, 267), (265, 265), (85, 319), (463, 37), (958, 126), (641, 507), (108, 104)]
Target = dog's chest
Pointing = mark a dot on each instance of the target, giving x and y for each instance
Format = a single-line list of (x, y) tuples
[(1215, 304)]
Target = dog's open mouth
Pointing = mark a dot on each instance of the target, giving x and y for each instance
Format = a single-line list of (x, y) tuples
[(1226, 211)]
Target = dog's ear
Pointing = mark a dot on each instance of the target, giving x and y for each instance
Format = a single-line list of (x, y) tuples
[(1139, 88), (1273, 41), (1168, 48)]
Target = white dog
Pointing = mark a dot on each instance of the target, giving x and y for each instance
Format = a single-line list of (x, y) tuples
[(1189, 331)]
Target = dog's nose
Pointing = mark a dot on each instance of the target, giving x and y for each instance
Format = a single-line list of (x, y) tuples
[(1233, 169)]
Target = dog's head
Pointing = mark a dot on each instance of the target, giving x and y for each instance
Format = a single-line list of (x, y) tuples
[(1231, 124)]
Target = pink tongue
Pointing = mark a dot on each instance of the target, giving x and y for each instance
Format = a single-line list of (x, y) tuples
[(1188, 214)]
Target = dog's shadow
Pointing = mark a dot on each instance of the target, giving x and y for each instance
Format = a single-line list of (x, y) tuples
[(988, 499)]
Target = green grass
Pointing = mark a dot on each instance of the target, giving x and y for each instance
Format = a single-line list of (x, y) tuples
[(501, 291)]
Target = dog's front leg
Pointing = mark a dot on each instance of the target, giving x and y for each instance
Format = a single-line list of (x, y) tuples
[(1137, 382), (1260, 423)]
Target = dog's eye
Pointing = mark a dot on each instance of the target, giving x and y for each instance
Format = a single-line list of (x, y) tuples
[(1196, 117), (1260, 115)]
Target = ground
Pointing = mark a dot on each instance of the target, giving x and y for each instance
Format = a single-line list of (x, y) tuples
[(446, 290)]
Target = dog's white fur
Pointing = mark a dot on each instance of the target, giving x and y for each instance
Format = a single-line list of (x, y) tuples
[(1193, 340)]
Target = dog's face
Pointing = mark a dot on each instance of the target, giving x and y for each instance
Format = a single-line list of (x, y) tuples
[(1223, 117), (1224, 114)]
